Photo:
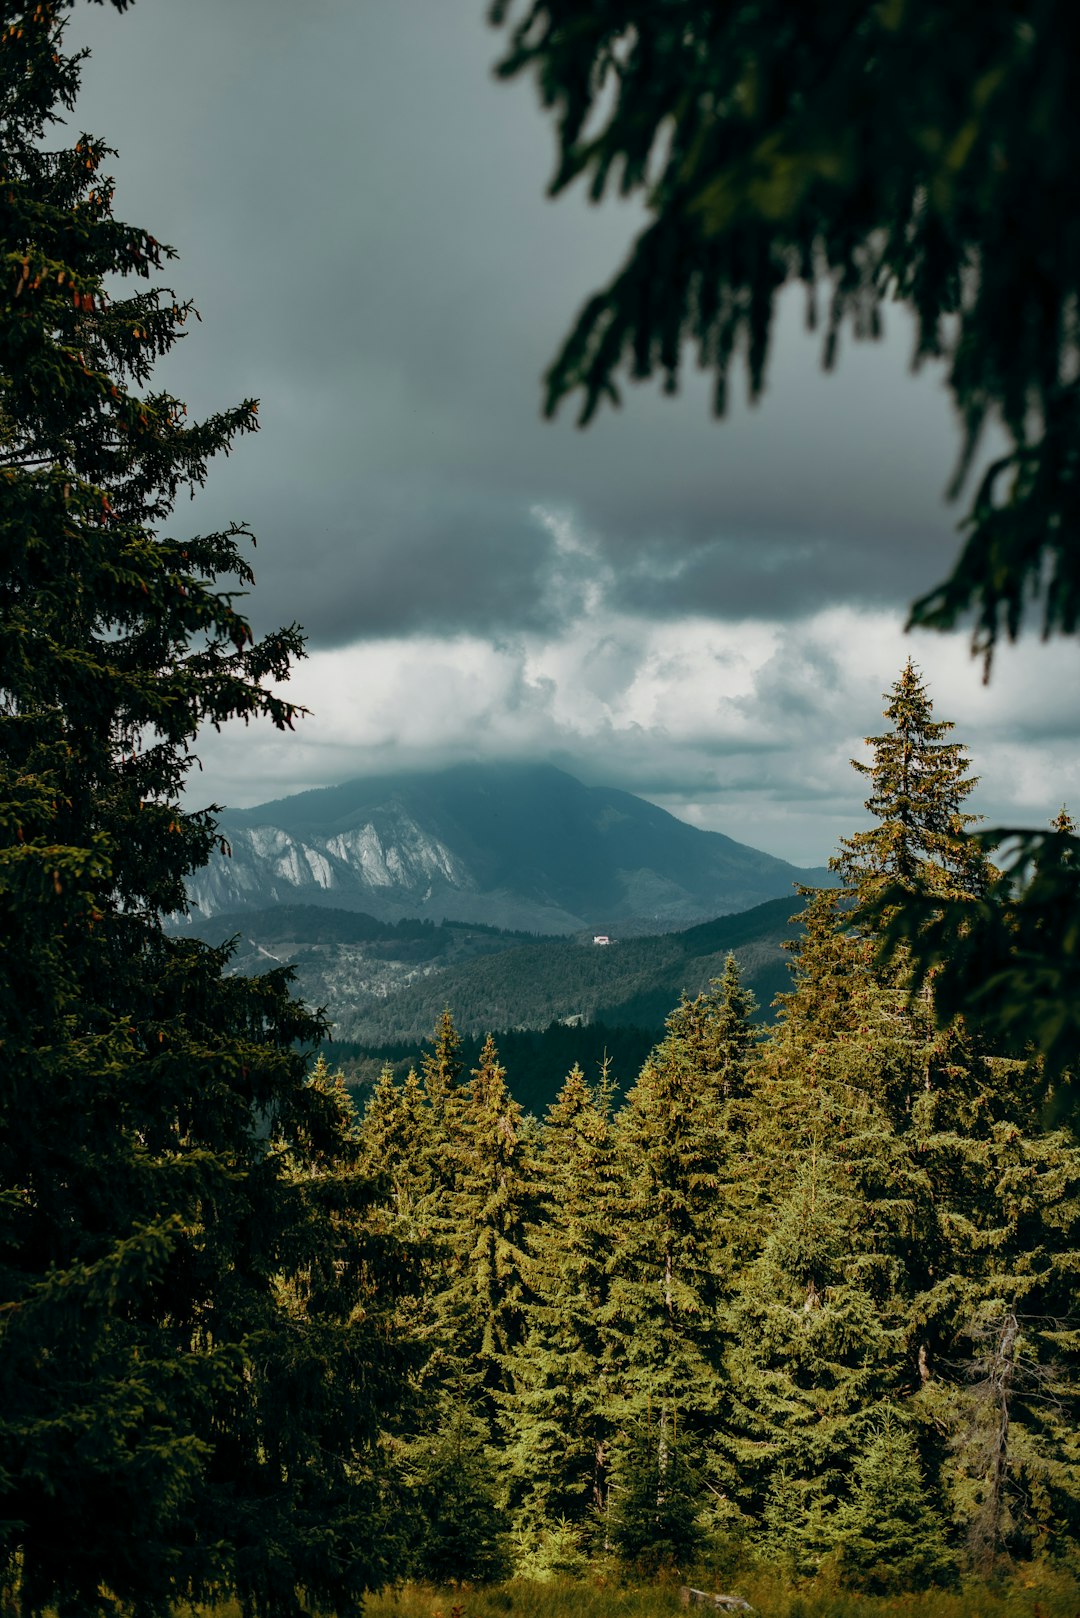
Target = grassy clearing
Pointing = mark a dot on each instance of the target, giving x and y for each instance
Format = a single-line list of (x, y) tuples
[(522, 1598), (1037, 1595)]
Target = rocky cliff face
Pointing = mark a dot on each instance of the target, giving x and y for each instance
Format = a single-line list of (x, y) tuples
[(349, 869), (519, 846)]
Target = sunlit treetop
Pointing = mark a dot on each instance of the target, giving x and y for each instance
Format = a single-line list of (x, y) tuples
[(919, 784)]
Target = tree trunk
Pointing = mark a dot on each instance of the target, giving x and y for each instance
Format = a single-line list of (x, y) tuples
[(993, 1394)]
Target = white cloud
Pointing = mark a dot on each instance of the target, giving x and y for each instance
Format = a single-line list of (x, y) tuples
[(743, 728)]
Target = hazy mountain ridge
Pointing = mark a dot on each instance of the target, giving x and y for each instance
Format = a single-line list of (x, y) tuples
[(516, 846), (385, 981), (346, 960), (636, 981)]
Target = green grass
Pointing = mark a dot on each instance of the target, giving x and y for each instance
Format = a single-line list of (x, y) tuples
[(522, 1598), (1032, 1595)]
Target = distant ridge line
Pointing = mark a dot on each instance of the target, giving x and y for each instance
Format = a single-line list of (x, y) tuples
[(515, 846)]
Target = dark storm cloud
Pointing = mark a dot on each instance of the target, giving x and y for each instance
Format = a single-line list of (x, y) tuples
[(359, 210), (405, 563), (759, 571)]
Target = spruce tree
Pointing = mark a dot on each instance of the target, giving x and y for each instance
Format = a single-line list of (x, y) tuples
[(557, 1421), (661, 1318), (398, 1139), (890, 1534), (460, 1531), (973, 1135), (923, 1137), (819, 1322), (379, 1125), (491, 1206), (1001, 1372), (735, 1036), (656, 1523), (476, 1213), (442, 1067), (918, 850), (815, 1334), (919, 785), (717, 1032), (197, 1316)]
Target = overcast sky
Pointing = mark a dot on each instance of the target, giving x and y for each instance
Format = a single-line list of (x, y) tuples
[(705, 614)]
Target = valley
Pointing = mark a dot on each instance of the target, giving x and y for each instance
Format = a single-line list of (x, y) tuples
[(387, 982), (483, 888)]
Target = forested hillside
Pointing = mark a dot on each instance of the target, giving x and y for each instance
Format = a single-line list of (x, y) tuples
[(382, 982), (631, 981)]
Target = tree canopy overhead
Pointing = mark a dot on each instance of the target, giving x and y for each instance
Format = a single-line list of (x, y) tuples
[(873, 151)]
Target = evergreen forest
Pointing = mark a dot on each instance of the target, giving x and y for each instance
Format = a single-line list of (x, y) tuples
[(796, 1298), (806, 1299)]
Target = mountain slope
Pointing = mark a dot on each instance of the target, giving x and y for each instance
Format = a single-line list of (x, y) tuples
[(383, 982), (633, 982), (513, 845)]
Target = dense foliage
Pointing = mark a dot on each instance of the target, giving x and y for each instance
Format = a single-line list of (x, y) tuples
[(807, 1299), (808, 1296), (197, 1298)]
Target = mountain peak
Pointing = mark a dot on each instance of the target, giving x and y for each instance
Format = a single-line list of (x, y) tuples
[(514, 844)]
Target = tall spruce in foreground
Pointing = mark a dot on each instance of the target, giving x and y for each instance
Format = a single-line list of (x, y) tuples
[(994, 1260), (672, 1266), (822, 1321), (915, 1203), (558, 1422), (197, 1340)]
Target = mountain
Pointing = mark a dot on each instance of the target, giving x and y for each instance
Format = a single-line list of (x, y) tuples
[(522, 846), (386, 982)]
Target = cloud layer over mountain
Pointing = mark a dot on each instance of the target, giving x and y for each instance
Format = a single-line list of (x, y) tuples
[(747, 728), (704, 614)]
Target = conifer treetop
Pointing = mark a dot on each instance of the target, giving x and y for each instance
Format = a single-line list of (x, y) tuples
[(919, 785), (442, 1065)]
